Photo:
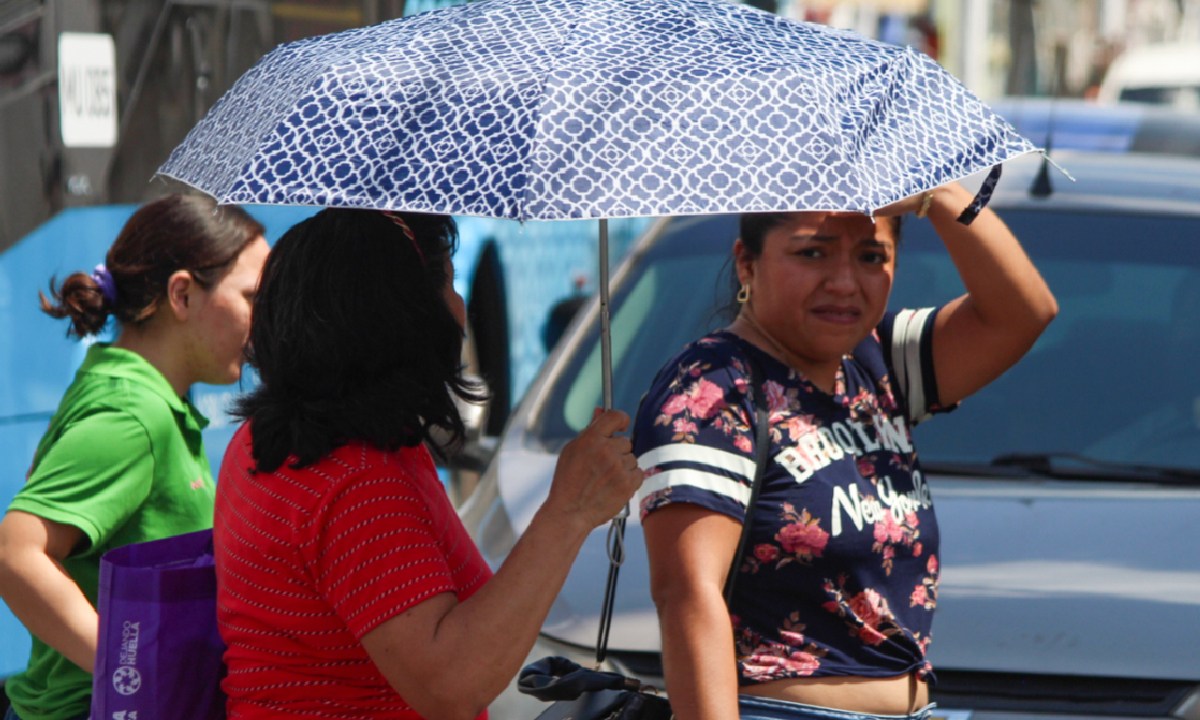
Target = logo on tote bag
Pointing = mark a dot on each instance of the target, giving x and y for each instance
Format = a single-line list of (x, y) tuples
[(126, 679)]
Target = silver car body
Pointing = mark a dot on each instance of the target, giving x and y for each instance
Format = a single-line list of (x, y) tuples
[(1066, 593)]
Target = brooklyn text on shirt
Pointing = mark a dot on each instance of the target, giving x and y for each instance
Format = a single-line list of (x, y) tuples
[(827, 444)]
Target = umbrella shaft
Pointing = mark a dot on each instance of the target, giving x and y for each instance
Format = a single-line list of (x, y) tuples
[(605, 330)]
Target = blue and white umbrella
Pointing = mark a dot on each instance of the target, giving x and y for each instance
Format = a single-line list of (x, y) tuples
[(570, 109)]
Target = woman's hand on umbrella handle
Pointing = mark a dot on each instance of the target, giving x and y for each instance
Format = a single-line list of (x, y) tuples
[(597, 472)]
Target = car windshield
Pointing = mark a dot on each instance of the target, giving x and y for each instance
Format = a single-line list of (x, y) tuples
[(1184, 97), (1112, 380)]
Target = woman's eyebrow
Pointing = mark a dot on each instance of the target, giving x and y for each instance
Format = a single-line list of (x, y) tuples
[(807, 235)]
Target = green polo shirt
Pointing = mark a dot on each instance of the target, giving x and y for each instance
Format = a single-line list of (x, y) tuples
[(123, 460)]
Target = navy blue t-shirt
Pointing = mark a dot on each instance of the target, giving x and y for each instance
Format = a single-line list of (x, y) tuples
[(841, 568)]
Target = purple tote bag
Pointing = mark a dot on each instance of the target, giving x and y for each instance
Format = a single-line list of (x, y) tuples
[(159, 652)]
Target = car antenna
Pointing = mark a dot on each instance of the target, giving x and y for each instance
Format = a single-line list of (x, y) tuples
[(1041, 187)]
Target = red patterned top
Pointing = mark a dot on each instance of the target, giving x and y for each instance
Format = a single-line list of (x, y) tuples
[(310, 560)]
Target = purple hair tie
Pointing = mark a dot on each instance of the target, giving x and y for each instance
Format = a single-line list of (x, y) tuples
[(104, 280)]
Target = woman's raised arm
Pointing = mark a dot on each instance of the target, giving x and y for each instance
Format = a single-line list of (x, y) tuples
[(1006, 307)]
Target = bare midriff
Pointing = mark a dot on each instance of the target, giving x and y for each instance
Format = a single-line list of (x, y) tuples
[(898, 695)]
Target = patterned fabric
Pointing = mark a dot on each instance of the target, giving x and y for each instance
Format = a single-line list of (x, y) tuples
[(310, 560), (840, 575), (566, 109)]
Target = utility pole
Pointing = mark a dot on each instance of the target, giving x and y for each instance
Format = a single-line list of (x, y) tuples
[(1022, 68), (973, 43)]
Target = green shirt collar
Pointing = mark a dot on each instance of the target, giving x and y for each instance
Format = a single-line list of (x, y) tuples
[(104, 359)]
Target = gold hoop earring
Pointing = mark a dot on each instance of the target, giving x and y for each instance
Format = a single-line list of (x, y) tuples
[(743, 295)]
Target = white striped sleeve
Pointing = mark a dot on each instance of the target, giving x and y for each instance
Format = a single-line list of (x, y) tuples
[(911, 364), (697, 466)]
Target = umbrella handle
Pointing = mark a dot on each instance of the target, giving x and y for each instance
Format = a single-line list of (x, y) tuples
[(606, 341), (616, 529), (605, 328)]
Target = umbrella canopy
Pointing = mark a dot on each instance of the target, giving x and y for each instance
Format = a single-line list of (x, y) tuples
[(568, 109)]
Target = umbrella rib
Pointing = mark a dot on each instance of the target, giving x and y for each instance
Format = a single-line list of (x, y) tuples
[(867, 130), (535, 141)]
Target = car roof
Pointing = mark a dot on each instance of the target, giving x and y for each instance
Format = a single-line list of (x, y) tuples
[(1155, 65), (1099, 182), (1075, 124), (1088, 182)]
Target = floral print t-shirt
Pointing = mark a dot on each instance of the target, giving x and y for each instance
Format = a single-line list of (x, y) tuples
[(840, 572)]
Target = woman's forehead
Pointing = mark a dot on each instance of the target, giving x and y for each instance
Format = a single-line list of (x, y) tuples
[(856, 225)]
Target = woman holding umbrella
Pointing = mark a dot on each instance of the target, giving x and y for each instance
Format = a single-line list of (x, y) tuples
[(347, 586), (834, 594)]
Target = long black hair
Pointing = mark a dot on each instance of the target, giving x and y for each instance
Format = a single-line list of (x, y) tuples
[(352, 338)]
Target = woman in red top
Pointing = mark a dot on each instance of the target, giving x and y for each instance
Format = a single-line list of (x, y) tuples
[(347, 585)]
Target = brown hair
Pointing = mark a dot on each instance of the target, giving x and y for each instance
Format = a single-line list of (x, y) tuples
[(175, 232), (753, 229)]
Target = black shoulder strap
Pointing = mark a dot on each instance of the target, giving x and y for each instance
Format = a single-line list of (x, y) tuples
[(762, 449), (616, 534)]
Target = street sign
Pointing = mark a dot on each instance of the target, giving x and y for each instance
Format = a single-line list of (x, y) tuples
[(87, 91)]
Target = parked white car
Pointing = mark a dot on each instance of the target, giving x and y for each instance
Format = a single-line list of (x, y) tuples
[(1161, 74)]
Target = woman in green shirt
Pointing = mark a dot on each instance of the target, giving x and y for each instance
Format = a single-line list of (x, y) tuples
[(123, 460)]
